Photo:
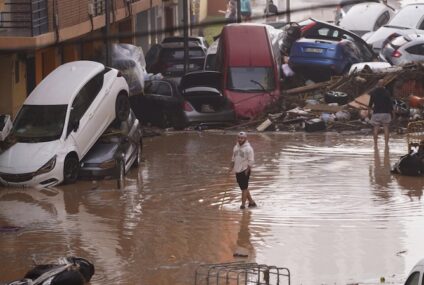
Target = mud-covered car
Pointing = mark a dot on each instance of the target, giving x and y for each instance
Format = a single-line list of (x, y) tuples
[(115, 152)]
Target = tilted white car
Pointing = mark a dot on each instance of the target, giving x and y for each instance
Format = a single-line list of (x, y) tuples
[(409, 20), (366, 17), (60, 121)]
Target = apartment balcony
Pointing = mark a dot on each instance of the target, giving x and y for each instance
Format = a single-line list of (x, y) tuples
[(33, 23), (24, 18)]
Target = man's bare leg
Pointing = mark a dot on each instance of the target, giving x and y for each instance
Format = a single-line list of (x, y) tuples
[(375, 133), (386, 134)]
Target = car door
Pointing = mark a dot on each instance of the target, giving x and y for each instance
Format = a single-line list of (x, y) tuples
[(81, 125)]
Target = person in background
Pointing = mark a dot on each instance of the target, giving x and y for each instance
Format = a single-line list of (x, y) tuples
[(230, 12), (270, 9), (245, 10), (241, 164), (382, 107)]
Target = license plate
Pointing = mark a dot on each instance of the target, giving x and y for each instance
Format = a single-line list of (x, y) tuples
[(314, 50)]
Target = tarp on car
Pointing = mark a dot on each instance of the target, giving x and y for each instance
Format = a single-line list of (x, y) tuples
[(129, 59), (201, 79)]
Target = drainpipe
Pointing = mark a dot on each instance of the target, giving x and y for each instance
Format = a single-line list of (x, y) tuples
[(185, 27), (107, 32)]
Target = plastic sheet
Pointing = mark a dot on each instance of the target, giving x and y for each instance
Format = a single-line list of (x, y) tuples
[(129, 59)]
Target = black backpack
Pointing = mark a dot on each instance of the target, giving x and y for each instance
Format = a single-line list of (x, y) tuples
[(410, 164)]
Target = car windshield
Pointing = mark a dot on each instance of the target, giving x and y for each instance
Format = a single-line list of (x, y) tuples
[(408, 17), (39, 123), (251, 79)]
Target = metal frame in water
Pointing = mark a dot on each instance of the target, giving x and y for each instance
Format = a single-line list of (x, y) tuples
[(237, 273)]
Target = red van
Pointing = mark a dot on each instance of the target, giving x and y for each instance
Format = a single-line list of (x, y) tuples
[(248, 56)]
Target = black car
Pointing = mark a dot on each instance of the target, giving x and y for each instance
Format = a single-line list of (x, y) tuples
[(162, 104), (168, 59), (115, 152)]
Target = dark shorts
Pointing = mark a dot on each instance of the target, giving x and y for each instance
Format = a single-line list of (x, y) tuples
[(246, 14), (243, 180)]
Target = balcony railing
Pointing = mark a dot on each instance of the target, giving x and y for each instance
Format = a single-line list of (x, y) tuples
[(24, 18)]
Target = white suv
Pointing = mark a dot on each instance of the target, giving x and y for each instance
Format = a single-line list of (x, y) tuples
[(60, 121)]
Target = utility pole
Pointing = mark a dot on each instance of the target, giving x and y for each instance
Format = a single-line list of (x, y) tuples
[(185, 28), (107, 32)]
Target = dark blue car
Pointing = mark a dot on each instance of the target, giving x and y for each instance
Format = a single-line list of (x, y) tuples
[(320, 58)]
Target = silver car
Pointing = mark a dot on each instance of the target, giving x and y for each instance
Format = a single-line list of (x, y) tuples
[(404, 49)]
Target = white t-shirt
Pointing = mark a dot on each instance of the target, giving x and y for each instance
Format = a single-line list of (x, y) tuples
[(243, 156)]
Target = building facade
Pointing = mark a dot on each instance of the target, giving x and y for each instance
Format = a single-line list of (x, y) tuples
[(36, 36)]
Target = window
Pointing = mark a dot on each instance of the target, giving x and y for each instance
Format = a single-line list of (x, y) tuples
[(164, 89), (39, 123), (382, 20), (413, 279), (417, 49), (151, 87), (84, 98), (251, 79), (169, 54)]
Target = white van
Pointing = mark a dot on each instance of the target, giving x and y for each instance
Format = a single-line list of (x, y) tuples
[(60, 121)]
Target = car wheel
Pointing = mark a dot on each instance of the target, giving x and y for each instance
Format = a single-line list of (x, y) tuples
[(164, 120), (70, 169), (121, 174), (138, 158), (122, 107)]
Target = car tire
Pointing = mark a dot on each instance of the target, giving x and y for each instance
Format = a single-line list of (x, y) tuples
[(138, 158), (122, 107), (70, 169)]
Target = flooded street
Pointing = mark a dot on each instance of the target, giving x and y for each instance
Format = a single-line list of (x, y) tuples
[(328, 209)]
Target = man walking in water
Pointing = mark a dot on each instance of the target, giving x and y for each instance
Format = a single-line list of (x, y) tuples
[(242, 163), (382, 107)]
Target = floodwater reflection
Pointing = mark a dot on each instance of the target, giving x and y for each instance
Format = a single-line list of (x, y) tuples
[(328, 209)]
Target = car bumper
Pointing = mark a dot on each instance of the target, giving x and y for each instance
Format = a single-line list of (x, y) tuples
[(215, 117), (336, 67), (96, 173), (51, 178)]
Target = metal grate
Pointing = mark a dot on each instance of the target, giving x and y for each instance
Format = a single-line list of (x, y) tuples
[(237, 273), (415, 134)]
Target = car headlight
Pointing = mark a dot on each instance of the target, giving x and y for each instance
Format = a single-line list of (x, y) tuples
[(47, 167), (108, 164)]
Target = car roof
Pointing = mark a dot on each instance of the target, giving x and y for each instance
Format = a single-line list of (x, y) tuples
[(369, 13), (244, 41), (409, 16), (62, 84)]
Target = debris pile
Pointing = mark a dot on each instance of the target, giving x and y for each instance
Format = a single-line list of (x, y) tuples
[(341, 104)]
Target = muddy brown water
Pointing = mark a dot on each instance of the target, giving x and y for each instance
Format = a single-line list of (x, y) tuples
[(328, 209)]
